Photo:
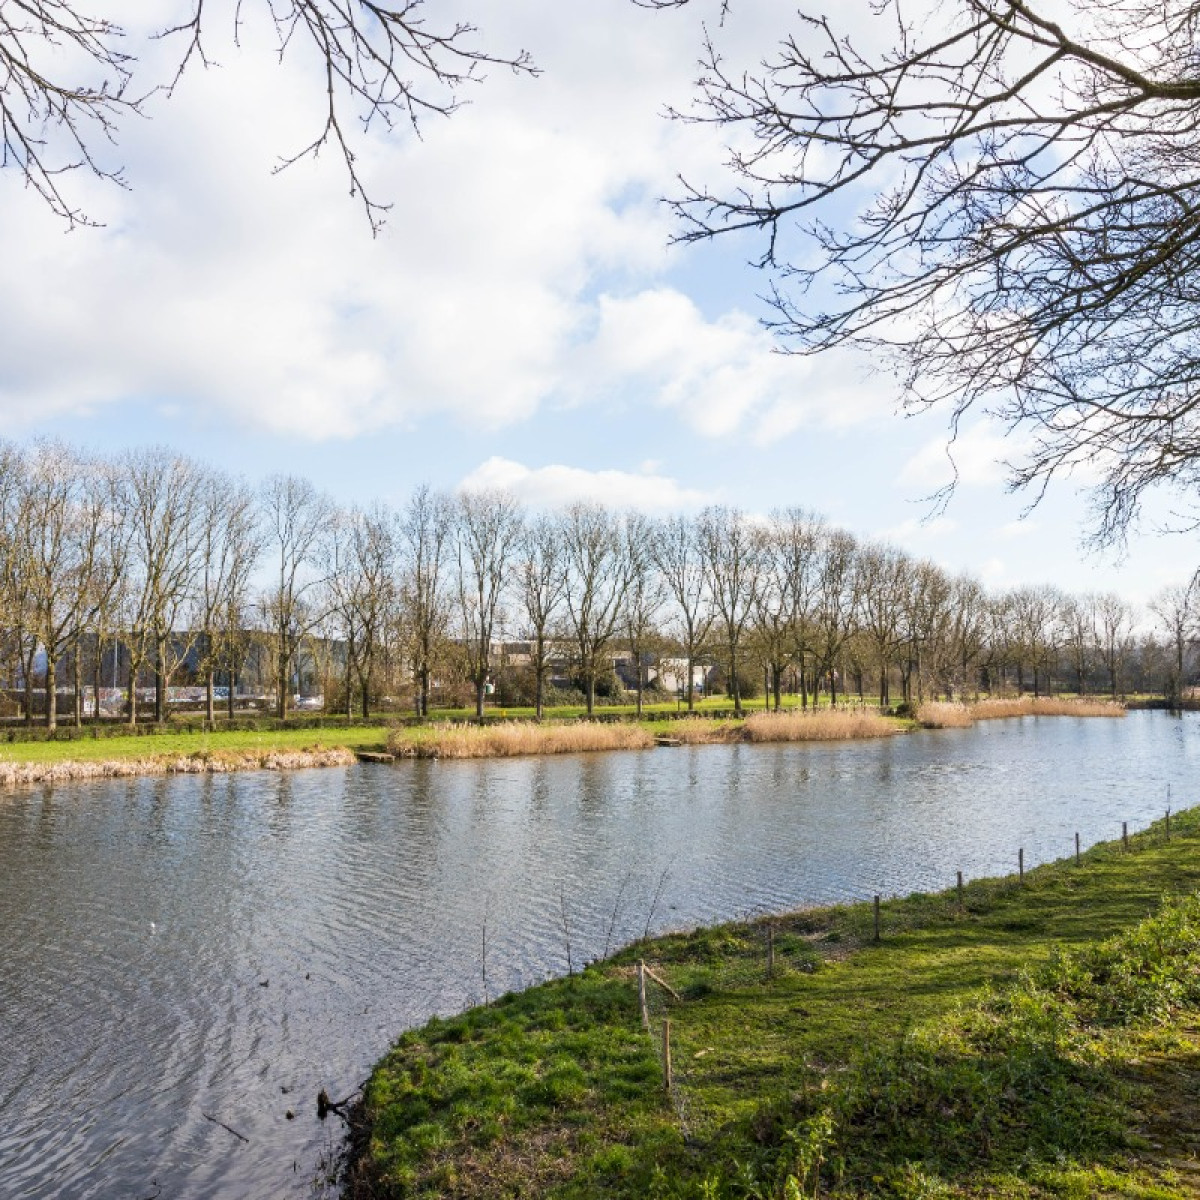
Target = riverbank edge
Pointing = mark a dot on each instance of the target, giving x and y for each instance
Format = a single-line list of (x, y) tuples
[(849, 928), (534, 739), (200, 762)]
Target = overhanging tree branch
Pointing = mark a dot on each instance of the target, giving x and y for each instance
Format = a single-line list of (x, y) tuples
[(1009, 208), (66, 79)]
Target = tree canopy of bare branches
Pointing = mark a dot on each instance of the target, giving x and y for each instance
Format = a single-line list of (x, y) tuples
[(1006, 199)]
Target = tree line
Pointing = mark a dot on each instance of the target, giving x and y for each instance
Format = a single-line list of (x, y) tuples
[(177, 569)]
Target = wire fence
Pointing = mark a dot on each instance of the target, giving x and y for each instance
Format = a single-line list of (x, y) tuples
[(693, 1041)]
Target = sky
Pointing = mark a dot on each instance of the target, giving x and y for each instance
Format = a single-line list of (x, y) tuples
[(523, 320)]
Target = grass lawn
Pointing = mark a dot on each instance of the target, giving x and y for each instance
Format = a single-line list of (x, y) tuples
[(184, 743), (1010, 1049)]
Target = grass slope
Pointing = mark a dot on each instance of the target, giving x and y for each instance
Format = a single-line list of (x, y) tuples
[(1042, 1041)]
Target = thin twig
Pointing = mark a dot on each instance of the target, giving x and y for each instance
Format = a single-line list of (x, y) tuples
[(662, 880), (227, 1128), (612, 921), (562, 901)]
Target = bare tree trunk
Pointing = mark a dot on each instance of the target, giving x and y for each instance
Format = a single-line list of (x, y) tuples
[(539, 680), (51, 691), (160, 683), (281, 695), (78, 684), (28, 669), (134, 666)]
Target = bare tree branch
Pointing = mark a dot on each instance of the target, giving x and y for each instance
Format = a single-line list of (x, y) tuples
[(66, 80), (1009, 208)]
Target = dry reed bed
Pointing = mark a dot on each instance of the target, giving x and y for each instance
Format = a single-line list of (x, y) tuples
[(516, 738), (820, 726), (826, 725), (704, 731), (201, 763), (1045, 706), (940, 714)]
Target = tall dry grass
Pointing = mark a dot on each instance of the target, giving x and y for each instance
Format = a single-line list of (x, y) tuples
[(1044, 706), (703, 731), (517, 737), (942, 714), (825, 725)]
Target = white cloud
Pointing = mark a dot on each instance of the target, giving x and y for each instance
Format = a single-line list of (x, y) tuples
[(994, 572), (1021, 528), (232, 295), (722, 376), (975, 458), (916, 533), (556, 486)]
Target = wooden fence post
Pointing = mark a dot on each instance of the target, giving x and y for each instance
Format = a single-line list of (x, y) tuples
[(1077, 849), (960, 892), (1021, 864), (1168, 824), (877, 918), (1125, 836), (667, 1052), (642, 994)]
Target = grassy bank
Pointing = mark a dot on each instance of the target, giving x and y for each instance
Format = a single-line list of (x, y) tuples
[(195, 762), (1043, 1040), (23, 763)]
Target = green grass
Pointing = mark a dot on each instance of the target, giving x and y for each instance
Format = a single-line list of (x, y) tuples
[(171, 744), (1044, 1041)]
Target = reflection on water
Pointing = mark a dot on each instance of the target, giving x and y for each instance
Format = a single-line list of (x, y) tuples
[(171, 948)]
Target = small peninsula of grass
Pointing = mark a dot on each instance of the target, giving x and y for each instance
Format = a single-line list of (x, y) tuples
[(1042, 1039)]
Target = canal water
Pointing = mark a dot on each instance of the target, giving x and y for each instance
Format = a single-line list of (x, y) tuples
[(184, 961)]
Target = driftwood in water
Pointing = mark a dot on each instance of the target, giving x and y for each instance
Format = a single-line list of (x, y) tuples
[(325, 1106), (227, 1128)]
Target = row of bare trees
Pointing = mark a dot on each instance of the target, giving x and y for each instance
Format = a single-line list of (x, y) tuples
[(170, 567)]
